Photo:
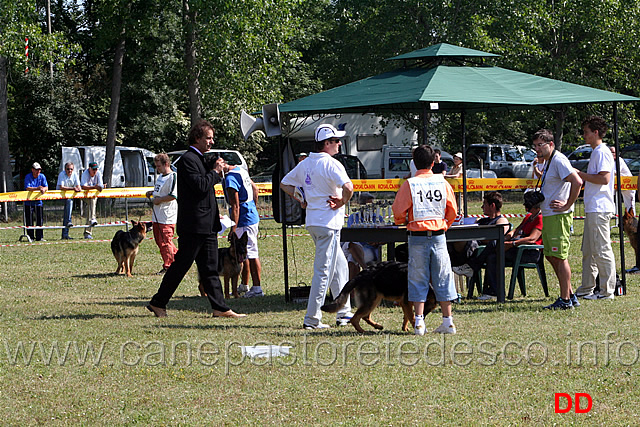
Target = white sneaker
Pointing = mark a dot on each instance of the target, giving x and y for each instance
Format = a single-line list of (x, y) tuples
[(600, 296), (591, 296), (344, 320), (318, 326), (420, 328), (485, 297), (242, 288), (463, 270), (253, 293), (445, 329)]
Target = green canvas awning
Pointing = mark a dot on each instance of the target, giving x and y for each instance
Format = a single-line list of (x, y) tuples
[(453, 88)]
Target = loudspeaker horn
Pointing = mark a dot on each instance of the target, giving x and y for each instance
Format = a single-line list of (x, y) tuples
[(249, 124), (271, 119)]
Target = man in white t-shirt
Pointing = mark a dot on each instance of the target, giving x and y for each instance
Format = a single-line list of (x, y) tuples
[(597, 254), (68, 181), (326, 188), (165, 210), (560, 185), (91, 180)]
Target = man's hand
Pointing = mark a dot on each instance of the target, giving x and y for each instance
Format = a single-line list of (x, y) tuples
[(219, 166), (335, 202), (210, 162), (559, 205)]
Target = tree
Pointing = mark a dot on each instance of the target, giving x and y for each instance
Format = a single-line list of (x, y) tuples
[(20, 20)]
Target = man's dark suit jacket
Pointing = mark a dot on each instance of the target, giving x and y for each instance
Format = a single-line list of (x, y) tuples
[(197, 207)]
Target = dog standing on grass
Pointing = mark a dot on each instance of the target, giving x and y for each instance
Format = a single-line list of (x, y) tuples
[(230, 264), (125, 244), (630, 226), (385, 280)]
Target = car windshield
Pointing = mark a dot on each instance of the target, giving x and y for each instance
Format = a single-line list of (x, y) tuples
[(513, 154)]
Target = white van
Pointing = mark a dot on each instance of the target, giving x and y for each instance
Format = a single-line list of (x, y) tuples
[(131, 167)]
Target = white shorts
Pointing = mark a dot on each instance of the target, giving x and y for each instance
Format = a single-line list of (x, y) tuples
[(370, 253), (252, 241)]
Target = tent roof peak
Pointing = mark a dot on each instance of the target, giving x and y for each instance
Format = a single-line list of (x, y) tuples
[(443, 50)]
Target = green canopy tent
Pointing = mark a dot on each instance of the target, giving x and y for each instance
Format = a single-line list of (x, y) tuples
[(450, 79)]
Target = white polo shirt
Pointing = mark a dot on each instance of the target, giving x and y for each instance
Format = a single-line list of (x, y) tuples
[(320, 176)]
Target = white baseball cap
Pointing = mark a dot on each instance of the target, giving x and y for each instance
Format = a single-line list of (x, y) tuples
[(36, 166), (328, 131)]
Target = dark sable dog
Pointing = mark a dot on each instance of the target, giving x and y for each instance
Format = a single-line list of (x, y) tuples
[(630, 225), (385, 280), (230, 264), (124, 245)]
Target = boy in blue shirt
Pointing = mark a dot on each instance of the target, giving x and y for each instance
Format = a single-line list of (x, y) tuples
[(241, 194)]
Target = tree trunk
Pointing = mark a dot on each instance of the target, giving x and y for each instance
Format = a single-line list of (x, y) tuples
[(112, 126), (5, 162), (561, 116), (189, 23)]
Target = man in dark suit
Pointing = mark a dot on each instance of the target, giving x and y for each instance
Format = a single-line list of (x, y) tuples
[(198, 225)]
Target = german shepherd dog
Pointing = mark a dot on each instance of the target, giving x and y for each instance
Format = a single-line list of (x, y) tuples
[(124, 245), (630, 225), (385, 280), (230, 264)]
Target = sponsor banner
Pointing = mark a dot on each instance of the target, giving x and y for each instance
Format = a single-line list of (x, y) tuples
[(107, 193), (265, 188)]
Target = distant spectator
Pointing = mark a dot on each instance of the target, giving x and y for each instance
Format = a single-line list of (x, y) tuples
[(302, 156), (438, 165), (91, 180), (456, 170), (35, 181), (629, 196), (538, 167), (68, 180)]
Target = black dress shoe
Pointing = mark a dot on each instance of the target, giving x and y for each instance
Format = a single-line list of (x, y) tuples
[(159, 312)]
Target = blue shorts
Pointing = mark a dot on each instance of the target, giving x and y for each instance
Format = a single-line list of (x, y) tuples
[(429, 262)]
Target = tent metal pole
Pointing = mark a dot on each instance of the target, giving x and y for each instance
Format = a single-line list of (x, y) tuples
[(283, 219), (425, 139), (464, 163), (619, 197)]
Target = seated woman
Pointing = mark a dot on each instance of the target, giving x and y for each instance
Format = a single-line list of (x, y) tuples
[(529, 232)]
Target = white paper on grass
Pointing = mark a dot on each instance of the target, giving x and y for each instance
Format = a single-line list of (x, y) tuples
[(265, 350)]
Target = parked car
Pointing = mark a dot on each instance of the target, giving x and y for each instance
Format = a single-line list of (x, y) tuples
[(232, 157), (507, 161), (630, 152), (580, 156), (354, 167)]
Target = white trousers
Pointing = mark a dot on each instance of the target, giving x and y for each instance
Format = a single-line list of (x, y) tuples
[(330, 269)]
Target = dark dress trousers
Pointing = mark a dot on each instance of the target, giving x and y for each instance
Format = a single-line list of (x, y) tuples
[(197, 227)]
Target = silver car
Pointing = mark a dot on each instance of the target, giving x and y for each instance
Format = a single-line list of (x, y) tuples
[(507, 161)]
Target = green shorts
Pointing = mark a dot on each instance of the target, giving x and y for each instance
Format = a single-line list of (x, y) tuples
[(556, 230)]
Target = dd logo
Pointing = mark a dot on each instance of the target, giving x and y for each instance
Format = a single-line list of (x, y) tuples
[(569, 403)]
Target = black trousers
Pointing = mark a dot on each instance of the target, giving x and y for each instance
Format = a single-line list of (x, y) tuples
[(203, 249), (29, 213)]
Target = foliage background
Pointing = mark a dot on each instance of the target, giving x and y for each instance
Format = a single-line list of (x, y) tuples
[(260, 51)]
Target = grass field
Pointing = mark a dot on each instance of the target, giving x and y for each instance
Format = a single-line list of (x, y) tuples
[(78, 347)]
